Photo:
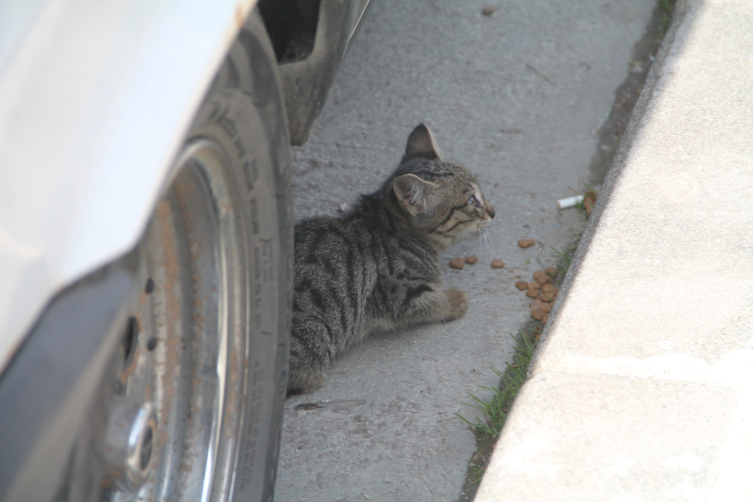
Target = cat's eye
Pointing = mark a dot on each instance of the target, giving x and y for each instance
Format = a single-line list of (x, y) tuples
[(473, 201)]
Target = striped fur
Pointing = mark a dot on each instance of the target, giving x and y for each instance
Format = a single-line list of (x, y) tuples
[(377, 267)]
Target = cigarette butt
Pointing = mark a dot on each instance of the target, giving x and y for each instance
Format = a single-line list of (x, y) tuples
[(569, 202)]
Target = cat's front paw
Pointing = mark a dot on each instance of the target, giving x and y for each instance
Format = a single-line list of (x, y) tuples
[(458, 303)]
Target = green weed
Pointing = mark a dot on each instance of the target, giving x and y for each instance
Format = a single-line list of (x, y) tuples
[(562, 256), (666, 8), (496, 409)]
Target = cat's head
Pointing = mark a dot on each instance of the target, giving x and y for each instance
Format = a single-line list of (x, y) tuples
[(440, 198)]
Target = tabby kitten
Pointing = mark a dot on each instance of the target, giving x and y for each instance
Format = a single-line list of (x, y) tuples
[(377, 267)]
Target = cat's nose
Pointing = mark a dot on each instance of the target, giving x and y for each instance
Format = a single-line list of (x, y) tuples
[(489, 210)]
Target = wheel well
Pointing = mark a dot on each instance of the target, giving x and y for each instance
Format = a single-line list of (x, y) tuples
[(291, 25)]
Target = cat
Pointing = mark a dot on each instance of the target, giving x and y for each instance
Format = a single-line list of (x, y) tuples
[(377, 267)]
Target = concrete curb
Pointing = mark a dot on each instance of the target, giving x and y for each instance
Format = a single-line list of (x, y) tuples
[(643, 387)]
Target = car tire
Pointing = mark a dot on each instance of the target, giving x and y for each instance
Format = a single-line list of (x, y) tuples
[(243, 118), (162, 375), (216, 263)]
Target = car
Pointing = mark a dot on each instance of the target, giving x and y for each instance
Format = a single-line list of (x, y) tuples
[(146, 233)]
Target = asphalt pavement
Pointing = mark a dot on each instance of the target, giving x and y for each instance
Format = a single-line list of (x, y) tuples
[(516, 97)]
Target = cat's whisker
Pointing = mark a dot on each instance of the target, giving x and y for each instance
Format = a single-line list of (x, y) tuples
[(486, 243)]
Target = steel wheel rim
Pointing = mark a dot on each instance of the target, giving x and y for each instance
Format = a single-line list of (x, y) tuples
[(188, 357)]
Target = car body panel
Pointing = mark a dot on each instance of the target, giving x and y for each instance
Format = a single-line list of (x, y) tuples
[(95, 98), (306, 82), (46, 392)]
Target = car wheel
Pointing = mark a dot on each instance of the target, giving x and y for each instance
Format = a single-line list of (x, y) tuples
[(207, 340), (162, 375), (195, 408)]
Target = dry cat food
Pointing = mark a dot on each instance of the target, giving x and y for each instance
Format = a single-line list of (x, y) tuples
[(471, 260), (457, 263), (537, 314), (537, 304), (546, 307), (549, 293), (589, 199), (541, 277), (526, 243), (488, 10), (542, 291), (497, 263)]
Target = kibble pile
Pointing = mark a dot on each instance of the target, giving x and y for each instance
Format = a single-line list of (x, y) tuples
[(541, 290)]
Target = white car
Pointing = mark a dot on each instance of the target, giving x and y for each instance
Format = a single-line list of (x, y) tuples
[(146, 232)]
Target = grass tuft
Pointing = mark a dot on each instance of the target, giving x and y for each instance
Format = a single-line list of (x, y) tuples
[(496, 409), (563, 256), (666, 8)]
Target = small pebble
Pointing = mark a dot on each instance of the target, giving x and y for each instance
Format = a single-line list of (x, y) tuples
[(471, 260), (497, 263), (488, 10), (457, 263), (546, 307), (551, 271), (548, 288), (526, 243), (521, 285), (532, 293)]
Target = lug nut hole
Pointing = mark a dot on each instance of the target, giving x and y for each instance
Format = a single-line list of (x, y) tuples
[(146, 449), (130, 340)]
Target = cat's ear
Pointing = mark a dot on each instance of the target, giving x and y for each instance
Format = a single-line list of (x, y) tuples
[(414, 194), (421, 144)]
